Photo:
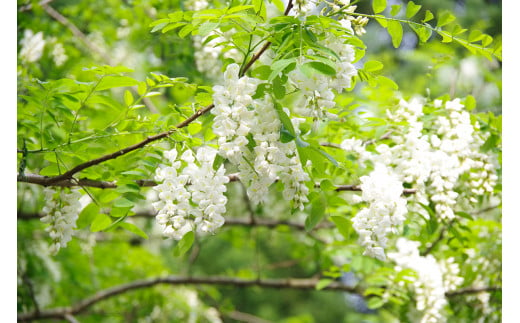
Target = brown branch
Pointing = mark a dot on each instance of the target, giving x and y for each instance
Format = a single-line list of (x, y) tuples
[(289, 283), (473, 290), (70, 182), (237, 222)]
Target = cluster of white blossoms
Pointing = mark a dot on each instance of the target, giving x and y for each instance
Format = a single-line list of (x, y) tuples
[(32, 46), (61, 212), (385, 212), (233, 112), (433, 280), (317, 94), (191, 198), (239, 116), (433, 164)]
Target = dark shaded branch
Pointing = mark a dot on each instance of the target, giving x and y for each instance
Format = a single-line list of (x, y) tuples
[(473, 290), (237, 222), (288, 283), (70, 182)]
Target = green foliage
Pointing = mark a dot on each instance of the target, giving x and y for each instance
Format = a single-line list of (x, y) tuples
[(134, 73)]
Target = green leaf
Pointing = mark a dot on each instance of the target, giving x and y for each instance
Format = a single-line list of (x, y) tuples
[(475, 35), (110, 81), (428, 15), (342, 224), (320, 67), (382, 20), (207, 27), (87, 215), (318, 207), (470, 103), (375, 302), (123, 202), (239, 8), (412, 9), (278, 88), (141, 88), (326, 185), (395, 9), (278, 66), (322, 283), (378, 5), (186, 30), (128, 97), (184, 244), (422, 32), (395, 29), (134, 229), (373, 66), (101, 221), (219, 160), (284, 118), (445, 17)]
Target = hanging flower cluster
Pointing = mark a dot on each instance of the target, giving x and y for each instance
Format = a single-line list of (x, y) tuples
[(241, 122), (61, 212), (433, 163), (32, 46), (433, 280), (317, 94), (191, 197), (382, 190)]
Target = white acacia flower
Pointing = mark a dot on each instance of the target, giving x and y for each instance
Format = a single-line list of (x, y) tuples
[(62, 210), (32, 46), (191, 198)]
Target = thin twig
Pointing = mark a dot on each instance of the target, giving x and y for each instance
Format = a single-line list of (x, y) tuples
[(75, 30)]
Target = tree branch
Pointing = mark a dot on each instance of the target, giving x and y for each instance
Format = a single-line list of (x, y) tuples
[(71, 182), (289, 283), (473, 290), (237, 222)]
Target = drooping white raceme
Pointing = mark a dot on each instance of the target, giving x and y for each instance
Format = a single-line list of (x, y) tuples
[(433, 279), (249, 137), (317, 94), (233, 117), (32, 46), (58, 54), (195, 184), (62, 210), (385, 212)]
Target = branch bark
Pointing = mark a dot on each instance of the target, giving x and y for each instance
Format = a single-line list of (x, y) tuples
[(238, 222), (70, 182), (289, 283)]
